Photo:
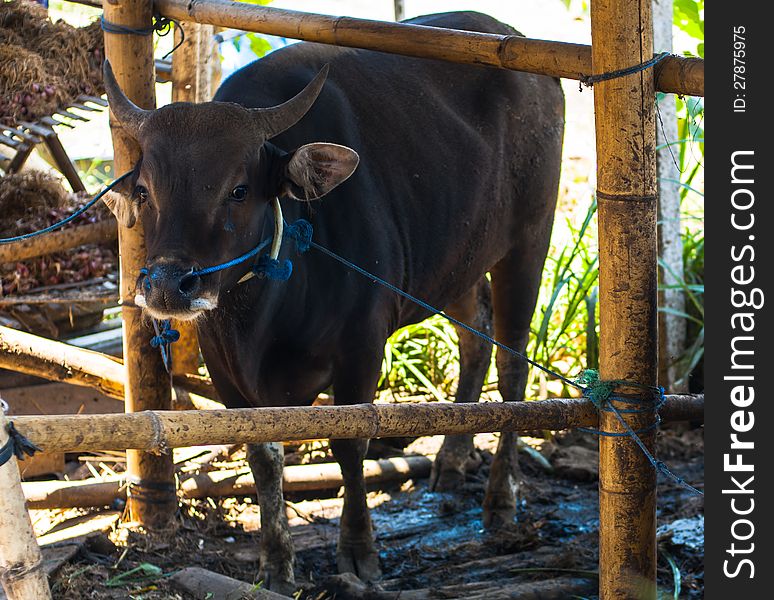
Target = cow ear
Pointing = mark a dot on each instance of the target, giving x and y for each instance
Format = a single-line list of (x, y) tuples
[(122, 207), (315, 169)]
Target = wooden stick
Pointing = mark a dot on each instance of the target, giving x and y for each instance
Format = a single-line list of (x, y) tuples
[(558, 59), (158, 431), (223, 483), (57, 241), (152, 500), (35, 355), (20, 558), (622, 34)]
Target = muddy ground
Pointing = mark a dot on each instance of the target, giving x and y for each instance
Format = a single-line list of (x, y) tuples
[(431, 545)]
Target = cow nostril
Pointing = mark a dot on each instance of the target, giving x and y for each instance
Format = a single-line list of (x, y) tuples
[(189, 284)]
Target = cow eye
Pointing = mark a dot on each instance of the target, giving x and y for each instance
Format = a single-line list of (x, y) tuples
[(239, 193), (141, 194)]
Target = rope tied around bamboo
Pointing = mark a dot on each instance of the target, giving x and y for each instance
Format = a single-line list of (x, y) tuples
[(590, 80), (602, 394), (161, 26)]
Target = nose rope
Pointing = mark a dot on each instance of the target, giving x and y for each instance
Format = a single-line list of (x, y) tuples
[(268, 266)]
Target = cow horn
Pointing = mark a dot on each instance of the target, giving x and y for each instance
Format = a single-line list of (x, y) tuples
[(273, 121), (127, 113)]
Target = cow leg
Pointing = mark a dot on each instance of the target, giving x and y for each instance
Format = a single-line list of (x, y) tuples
[(515, 285), (277, 557), (355, 382), (356, 552), (475, 309)]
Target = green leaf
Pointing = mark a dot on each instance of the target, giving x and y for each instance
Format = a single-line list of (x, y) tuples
[(259, 45)]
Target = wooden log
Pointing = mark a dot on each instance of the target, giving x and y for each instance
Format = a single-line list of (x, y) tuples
[(35, 355), (20, 559), (57, 241), (223, 483), (208, 585), (622, 35), (157, 431), (558, 59), (152, 500)]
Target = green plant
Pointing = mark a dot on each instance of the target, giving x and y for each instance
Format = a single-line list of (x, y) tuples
[(564, 327), (422, 359)]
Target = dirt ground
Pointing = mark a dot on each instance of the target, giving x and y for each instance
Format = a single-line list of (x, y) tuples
[(431, 545)]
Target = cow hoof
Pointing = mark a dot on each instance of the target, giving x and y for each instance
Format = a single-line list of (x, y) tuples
[(499, 510), (273, 580), (360, 560), (456, 457), (445, 479)]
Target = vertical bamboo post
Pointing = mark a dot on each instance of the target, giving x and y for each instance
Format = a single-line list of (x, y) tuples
[(21, 562), (151, 493), (622, 36), (195, 76)]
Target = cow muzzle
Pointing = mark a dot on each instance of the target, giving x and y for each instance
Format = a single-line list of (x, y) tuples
[(168, 288)]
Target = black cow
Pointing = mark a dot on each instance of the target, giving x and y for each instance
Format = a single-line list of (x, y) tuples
[(458, 175)]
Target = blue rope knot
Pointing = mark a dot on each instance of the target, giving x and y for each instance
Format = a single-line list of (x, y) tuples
[(300, 232), (166, 335), (17, 445), (273, 269)]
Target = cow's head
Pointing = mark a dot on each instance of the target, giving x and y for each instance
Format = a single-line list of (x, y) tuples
[(203, 185)]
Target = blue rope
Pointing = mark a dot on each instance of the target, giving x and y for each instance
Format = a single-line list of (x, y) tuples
[(234, 261), (72, 217), (597, 391), (590, 80)]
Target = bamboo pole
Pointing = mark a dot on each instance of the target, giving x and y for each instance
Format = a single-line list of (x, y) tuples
[(158, 431), (675, 74), (223, 483), (57, 241), (152, 500), (20, 558), (622, 35), (35, 355)]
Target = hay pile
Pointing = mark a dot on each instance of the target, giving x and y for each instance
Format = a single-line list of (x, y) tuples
[(44, 65), (32, 200)]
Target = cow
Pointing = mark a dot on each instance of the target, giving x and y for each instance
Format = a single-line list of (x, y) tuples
[(433, 175)]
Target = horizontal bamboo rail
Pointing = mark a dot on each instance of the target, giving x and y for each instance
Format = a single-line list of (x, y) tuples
[(222, 483), (559, 59), (57, 361), (36, 355), (158, 431), (57, 241)]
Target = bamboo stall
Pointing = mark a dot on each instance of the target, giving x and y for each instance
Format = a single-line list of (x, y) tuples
[(625, 126), (151, 497)]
